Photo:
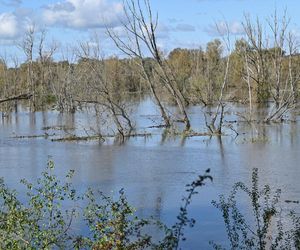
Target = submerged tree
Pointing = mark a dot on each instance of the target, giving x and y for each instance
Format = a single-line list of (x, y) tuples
[(269, 71), (140, 26), (100, 84)]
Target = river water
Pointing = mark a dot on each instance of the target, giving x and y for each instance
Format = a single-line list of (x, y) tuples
[(154, 170)]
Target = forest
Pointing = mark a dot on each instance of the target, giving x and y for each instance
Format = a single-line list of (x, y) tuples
[(259, 68)]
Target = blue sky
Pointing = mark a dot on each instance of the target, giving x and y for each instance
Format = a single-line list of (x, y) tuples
[(182, 23)]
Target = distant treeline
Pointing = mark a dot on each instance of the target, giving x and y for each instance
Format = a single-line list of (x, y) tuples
[(199, 75)]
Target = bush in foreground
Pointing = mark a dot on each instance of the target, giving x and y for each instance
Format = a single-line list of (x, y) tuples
[(45, 220)]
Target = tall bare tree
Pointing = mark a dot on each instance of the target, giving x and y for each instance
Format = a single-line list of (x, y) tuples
[(140, 26), (219, 113), (265, 60), (98, 84), (27, 45)]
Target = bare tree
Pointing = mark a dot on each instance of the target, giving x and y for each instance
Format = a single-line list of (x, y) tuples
[(62, 81), (219, 113), (265, 59), (27, 46), (278, 31), (98, 85), (44, 65), (257, 58), (140, 26), (293, 71)]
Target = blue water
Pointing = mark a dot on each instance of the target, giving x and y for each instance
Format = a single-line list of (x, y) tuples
[(154, 170)]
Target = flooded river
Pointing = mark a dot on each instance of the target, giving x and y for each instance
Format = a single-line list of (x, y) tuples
[(153, 170)]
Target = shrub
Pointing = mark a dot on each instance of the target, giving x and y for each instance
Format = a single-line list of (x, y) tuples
[(267, 230), (43, 222)]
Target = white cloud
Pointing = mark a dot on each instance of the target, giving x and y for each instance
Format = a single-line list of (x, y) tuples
[(8, 26), (174, 20), (163, 31), (222, 28), (14, 24), (178, 26), (11, 2), (184, 27), (81, 14), (236, 28)]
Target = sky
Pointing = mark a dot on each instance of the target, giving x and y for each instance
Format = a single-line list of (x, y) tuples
[(182, 23)]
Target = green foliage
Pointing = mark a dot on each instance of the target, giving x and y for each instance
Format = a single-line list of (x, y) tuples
[(113, 224), (49, 99), (266, 231), (176, 233), (43, 222)]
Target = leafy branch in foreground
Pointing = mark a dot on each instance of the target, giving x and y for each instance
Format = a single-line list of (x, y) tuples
[(112, 224), (41, 222), (176, 233), (266, 229), (45, 220)]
